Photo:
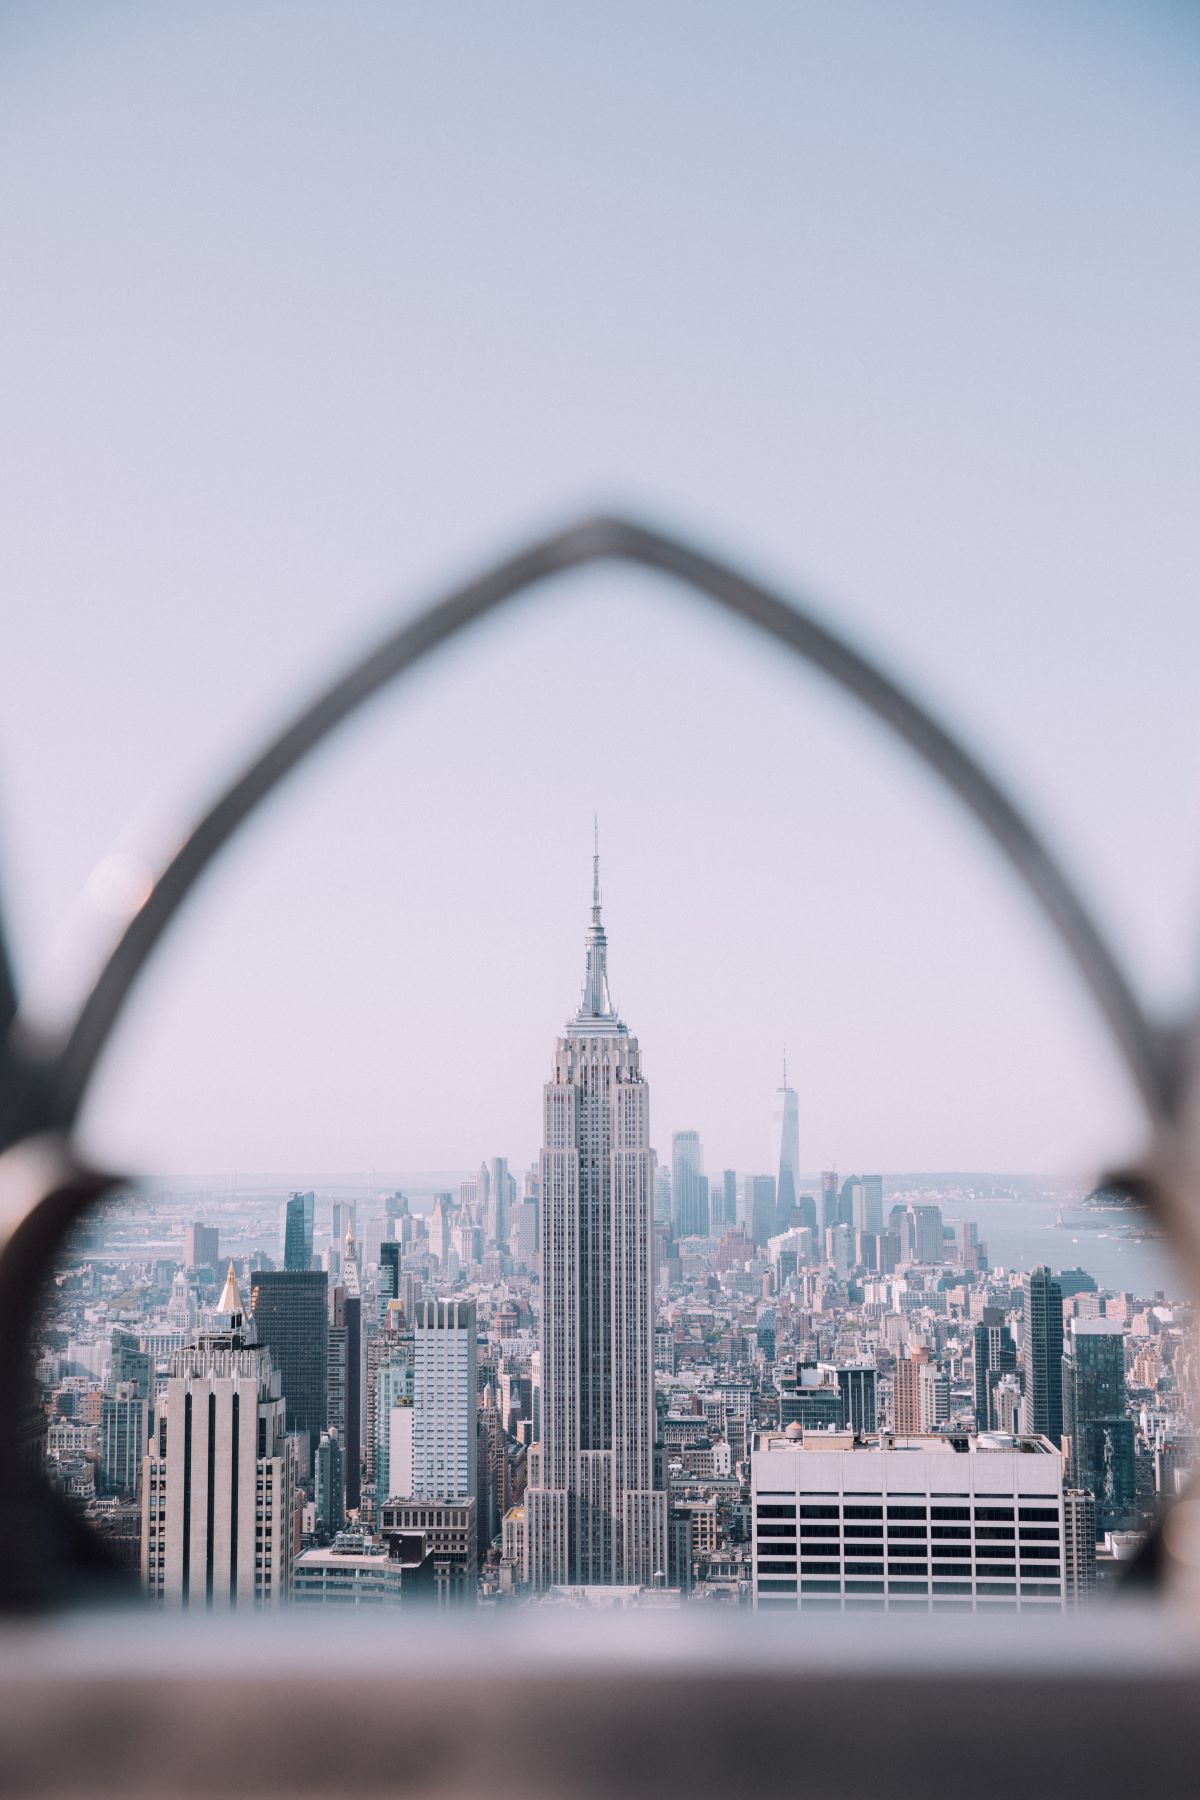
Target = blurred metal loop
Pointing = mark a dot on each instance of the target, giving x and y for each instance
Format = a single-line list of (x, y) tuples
[(43, 1082)]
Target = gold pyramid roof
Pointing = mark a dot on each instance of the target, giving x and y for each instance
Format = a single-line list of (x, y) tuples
[(231, 1299)]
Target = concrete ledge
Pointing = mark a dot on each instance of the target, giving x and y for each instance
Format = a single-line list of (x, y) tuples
[(693, 1705)]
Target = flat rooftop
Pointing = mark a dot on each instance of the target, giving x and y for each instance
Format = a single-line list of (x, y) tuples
[(926, 1443)]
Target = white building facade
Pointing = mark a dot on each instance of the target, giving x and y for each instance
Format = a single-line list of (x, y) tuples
[(445, 1390), (593, 1514), (219, 1482), (948, 1521)]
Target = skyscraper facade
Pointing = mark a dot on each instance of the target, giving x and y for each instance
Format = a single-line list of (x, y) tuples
[(1042, 1353), (1098, 1432), (344, 1378), (218, 1485), (298, 1231), (445, 1387), (689, 1190), (291, 1319), (593, 1511), (785, 1150), (993, 1355)]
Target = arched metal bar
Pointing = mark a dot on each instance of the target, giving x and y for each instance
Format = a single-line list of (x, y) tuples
[(68, 1066)]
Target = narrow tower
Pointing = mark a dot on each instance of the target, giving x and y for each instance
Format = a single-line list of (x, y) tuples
[(593, 1512), (785, 1148)]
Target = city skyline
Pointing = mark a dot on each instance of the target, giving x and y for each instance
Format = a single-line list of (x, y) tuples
[(594, 1387)]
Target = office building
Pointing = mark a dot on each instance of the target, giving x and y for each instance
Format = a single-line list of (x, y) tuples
[(1098, 1432), (993, 1355), (502, 1198), (1079, 1547), (830, 1191), (762, 1213), (452, 1534), (785, 1151), (356, 1570), (866, 1204), (123, 1438), (130, 1362), (809, 1398), (594, 1513), (955, 1522), (297, 1231), (218, 1484), (202, 1247), (723, 1206), (291, 1320), (329, 1483), (906, 1392), (1042, 1354), (344, 1378), (857, 1383), (445, 1396), (689, 1190), (389, 1271)]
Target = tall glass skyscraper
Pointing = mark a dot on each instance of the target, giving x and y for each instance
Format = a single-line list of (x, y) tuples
[(593, 1511), (785, 1150), (1041, 1353), (689, 1188), (298, 1231), (1098, 1430), (291, 1316)]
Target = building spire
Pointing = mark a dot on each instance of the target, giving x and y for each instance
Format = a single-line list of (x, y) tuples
[(785, 1065), (596, 1003)]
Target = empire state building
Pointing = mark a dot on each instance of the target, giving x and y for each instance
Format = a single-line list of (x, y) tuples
[(593, 1514)]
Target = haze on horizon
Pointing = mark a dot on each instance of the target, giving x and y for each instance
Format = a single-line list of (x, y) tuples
[(898, 311)]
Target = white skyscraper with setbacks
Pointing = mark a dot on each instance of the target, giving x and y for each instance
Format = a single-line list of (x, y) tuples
[(592, 1510)]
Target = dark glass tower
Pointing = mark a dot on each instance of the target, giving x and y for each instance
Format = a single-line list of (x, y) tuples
[(290, 1308), (1097, 1424), (1042, 1354), (298, 1232)]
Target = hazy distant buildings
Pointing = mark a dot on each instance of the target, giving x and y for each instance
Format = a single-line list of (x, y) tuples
[(1042, 1353), (866, 1207), (689, 1189), (830, 1195), (785, 1151), (722, 1204), (762, 1214), (594, 1512), (202, 1248)]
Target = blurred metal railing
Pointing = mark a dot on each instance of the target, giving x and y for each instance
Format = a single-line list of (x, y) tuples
[(45, 1552)]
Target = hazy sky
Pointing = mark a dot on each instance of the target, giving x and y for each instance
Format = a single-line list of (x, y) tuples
[(307, 308)]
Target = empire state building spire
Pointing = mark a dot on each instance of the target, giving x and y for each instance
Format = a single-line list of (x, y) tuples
[(596, 1002)]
